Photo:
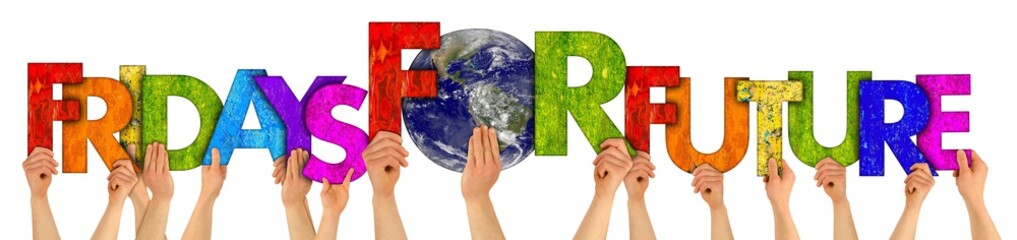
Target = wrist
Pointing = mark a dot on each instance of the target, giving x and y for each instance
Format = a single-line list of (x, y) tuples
[(40, 197), (636, 197), (840, 202), (607, 191), (293, 201), (384, 195), (718, 207), (161, 198), (477, 199), (330, 213)]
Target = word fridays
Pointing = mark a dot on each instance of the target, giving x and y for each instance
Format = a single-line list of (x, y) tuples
[(136, 108)]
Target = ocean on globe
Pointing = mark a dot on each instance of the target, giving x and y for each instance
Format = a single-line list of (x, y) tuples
[(484, 77)]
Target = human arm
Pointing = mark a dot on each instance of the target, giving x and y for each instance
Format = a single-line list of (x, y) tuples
[(916, 187), (40, 167), (971, 185), (832, 177), (333, 201), (212, 178), (709, 183), (160, 181), (636, 182), (611, 166), (384, 158), (483, 165), (121, 182), (778, 189)]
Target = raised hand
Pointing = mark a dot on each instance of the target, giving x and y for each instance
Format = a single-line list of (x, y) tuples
[(778, 190), (610, 168), (212, 176), (39, 170), (384, 157), (156, 172), (832, 177), (971, 184), (483, 165), (918, 184), (122, 180), (709, 183), (139, 194), (636, 182), (638, 178), (295, 186), (916, 187)]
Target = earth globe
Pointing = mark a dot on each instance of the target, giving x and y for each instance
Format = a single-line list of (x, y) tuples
[(484, 77)]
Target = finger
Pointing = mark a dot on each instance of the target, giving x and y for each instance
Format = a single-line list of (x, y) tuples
[(822, 180), (132, 151), (485, 146), (292, 164), (384, 145), (471, 151), (772, 167), (163, 158), (386, 135), (37, 151), (327, 186), (215, 159), (962, 163), (645, 168), (494, 150), (148, 156), (615, 153), (349, 176), (785, 168), (475, 148), (596, 160), (123, 164), (976, 160)]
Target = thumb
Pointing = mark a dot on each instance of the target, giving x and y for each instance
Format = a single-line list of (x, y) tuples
[(327, 185), (215, 158), (962, 162), (772, 168), (132, 151)]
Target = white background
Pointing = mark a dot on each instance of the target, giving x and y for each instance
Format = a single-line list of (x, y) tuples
[(543, 197)]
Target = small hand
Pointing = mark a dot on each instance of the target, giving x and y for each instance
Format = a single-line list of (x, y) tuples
[(121, 180), (971, 180), (709, 183), (335, 197), (611, 166), (918, 184), (638, 178), (212, 176), (139, 191), (156, 172), (295, 186), (39, 170), (383, 157), (483, 164), (832, 177), (778, 187)]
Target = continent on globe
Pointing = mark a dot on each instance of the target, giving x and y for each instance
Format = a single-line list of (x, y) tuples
[(485, 77)]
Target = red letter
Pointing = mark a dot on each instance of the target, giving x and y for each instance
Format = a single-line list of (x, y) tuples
[(389, 83), (42, 109), (639, 112)]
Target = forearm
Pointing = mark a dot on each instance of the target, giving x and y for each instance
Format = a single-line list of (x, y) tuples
[(639, 220), (154, 224), (43, 225), (387, 223), (784, 226), (843, 222), (140, 206), (982, 226), (720, 225), (109, 225), (908, 223), (200, 224), (594, 225), (329, 227), (298, 219), (483, 220)]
